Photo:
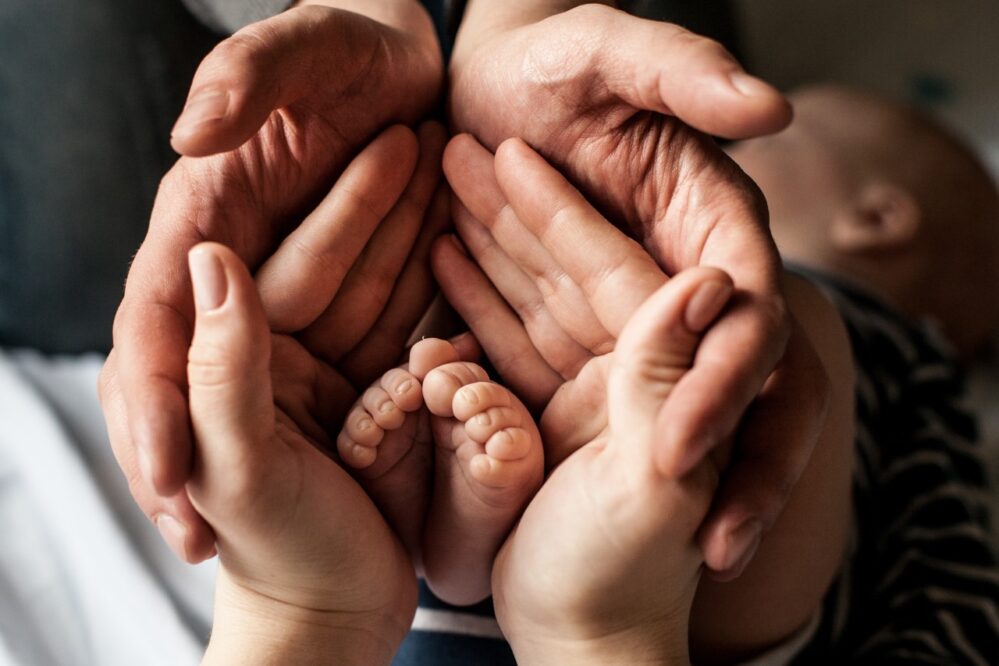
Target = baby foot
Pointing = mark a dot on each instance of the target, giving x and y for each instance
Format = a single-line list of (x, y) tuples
[(489, 462), (386, 440)]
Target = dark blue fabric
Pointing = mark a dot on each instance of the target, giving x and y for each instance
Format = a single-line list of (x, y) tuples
[(88, 92)]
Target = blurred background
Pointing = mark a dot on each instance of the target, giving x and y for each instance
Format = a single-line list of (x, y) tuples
[(940, 57)]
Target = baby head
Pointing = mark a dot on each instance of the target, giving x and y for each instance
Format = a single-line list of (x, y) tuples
[(878, 194)]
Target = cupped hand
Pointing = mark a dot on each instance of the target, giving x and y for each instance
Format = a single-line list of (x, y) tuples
[(561, 284), (331, 286), (603, 565), (300, 543), (610, 100)]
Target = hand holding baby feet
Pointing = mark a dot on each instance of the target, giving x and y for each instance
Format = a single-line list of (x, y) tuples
[(487, 463), (604, 562)]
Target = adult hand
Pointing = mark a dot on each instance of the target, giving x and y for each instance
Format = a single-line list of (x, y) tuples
[(571, 287), (602, 95), (608, 504), (310, 572), (247, 199)]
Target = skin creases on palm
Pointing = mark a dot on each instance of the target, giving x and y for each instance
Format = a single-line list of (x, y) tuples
[(576, 413), (662, 182)]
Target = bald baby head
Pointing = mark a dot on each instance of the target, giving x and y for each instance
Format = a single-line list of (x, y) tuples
[(880, 194)]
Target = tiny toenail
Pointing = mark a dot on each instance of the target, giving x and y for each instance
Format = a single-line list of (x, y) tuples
[(386, 407), (469, 396), (404, 387), (364, 424), (483, 419)]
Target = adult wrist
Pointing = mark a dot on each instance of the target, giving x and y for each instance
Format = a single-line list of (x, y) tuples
[(252, 628), (485, 19), (661, 647), (405, 15)]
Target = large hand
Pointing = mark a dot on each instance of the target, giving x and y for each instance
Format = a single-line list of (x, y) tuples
[(305, 555), (571, 282), (603, 566), (590, 89), (143, 386)]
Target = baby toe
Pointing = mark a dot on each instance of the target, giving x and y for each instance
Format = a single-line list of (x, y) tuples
[(441, 384), (404, 389), (353, 454), (361, 428), (509, 444), (430, 353), (494, 473), (473, 399), (383, 410), (483, 425)]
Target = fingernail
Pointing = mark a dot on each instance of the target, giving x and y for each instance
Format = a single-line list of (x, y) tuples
[(706, 303), (742, 545), (208, 277), (205, 107), (174, 533), (458, 244), (750, 86)]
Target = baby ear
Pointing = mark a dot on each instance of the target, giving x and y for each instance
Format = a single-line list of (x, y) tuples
[(884, 217)]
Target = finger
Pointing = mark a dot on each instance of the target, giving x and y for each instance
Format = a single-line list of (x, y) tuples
[(471, 171), (300, 280), (769, 460), (656, 349), (183, 529), (415, 289), (471, 174), (733, 362), (661, 67), (232, 404), (559, 348), (499, 331), (267, 66), (367, 287), (615, 273), (726, 228), (467, 346), (151, 331)]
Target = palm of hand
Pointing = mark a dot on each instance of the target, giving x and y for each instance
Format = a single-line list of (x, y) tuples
[(290, 484), (667, 184), (589, 549)]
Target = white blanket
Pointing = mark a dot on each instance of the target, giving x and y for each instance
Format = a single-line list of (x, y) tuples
[(84, 578)]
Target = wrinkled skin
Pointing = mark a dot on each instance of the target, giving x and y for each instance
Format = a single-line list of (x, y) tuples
[(601, 95), (287, 140)]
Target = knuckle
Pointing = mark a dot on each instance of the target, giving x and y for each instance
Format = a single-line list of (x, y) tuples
[(251, 44), (211, 365)]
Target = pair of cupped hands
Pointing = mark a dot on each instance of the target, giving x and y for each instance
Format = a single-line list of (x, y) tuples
[(276, 114)]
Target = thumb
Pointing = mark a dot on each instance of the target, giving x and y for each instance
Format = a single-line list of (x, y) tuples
[(228, 367), (658, 66), (267, 66), (654, 351)]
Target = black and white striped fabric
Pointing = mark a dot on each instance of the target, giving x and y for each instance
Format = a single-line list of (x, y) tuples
[(921, 586)]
